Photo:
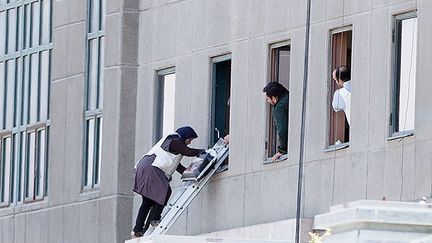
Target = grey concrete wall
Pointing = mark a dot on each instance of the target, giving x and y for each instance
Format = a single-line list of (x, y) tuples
[(187, 33), (103, 214)]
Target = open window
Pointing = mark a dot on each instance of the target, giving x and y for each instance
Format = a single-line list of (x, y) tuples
[(279, 72), (165, 102), (404, 75), (220, 99), (341, 50)]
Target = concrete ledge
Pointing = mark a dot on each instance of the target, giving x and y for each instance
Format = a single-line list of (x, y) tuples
[(279, 230), (370, 221), (367, 214), (274, 232), (195, 239)]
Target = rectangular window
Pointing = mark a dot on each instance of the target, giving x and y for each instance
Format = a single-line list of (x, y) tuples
[(341, 50), (279, 72), (93, 113), (25, 66), (220, 100), (5, 170), (404, 75), (35, 163), (166, 102)]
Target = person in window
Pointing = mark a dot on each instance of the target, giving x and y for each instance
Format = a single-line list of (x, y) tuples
[(342, 97), (154, 171), (277, 96)]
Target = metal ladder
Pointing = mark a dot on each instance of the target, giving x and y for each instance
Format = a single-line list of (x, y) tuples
[(190, 189)]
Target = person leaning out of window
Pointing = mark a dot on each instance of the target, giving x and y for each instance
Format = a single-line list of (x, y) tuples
[(277, 96), (342, 97)]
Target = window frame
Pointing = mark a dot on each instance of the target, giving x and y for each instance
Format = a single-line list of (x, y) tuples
[(395, 74), (271, 132), (93, 102), (6, 189), (213, 62), (332, 147), (159, 98)]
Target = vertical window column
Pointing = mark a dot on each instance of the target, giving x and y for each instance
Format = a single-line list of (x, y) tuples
[(93, 113)]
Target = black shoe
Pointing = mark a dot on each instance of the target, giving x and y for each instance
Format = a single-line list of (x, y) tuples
[(136, 234)]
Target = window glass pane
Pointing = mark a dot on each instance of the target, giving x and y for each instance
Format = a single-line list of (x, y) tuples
[(43, 107), (99, 150), (34, 82), (168, 104), (94, 16), (407, 74), (46, 21), (10, 93), (40, 164), (92, 74), (102, 14), (283, 66), (30, 167), (25, 84), (90, 152), (101, 71), (6, 169), (27, 26), (11, 22), (19, 23), (14, 157), (3, 33), (21, 162), (17, 88), (35, 24)]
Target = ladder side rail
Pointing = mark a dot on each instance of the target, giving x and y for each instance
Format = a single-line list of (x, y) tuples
[(187, 197)]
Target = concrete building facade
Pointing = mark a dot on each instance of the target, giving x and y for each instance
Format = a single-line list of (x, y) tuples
[(119, 74)]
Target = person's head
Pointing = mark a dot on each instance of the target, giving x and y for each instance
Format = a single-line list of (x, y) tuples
[(341, 74), (187, 134), (274, 91)]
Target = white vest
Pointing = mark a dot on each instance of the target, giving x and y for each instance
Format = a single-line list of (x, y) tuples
[(164, 160), (346, 96)]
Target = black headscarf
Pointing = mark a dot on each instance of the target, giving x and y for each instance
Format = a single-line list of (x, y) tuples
[(186, 132)]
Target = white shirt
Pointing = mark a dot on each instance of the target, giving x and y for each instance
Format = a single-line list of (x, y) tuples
[(342, 100)]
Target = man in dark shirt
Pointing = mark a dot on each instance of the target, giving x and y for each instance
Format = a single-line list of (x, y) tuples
[(277, 96)]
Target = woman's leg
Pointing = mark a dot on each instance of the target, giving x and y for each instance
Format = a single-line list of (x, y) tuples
[(142, 214), (154, 216)]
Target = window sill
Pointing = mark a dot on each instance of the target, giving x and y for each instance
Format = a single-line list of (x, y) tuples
[(89, 194), (281, 158), (336, 147), (31, 205), (401, 135), (6, 210)]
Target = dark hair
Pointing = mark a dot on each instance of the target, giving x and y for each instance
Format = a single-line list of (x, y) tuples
[(343, 73), (186, 132), (275, 89)]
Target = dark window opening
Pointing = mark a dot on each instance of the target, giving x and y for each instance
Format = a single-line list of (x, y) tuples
[(221, 86)]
